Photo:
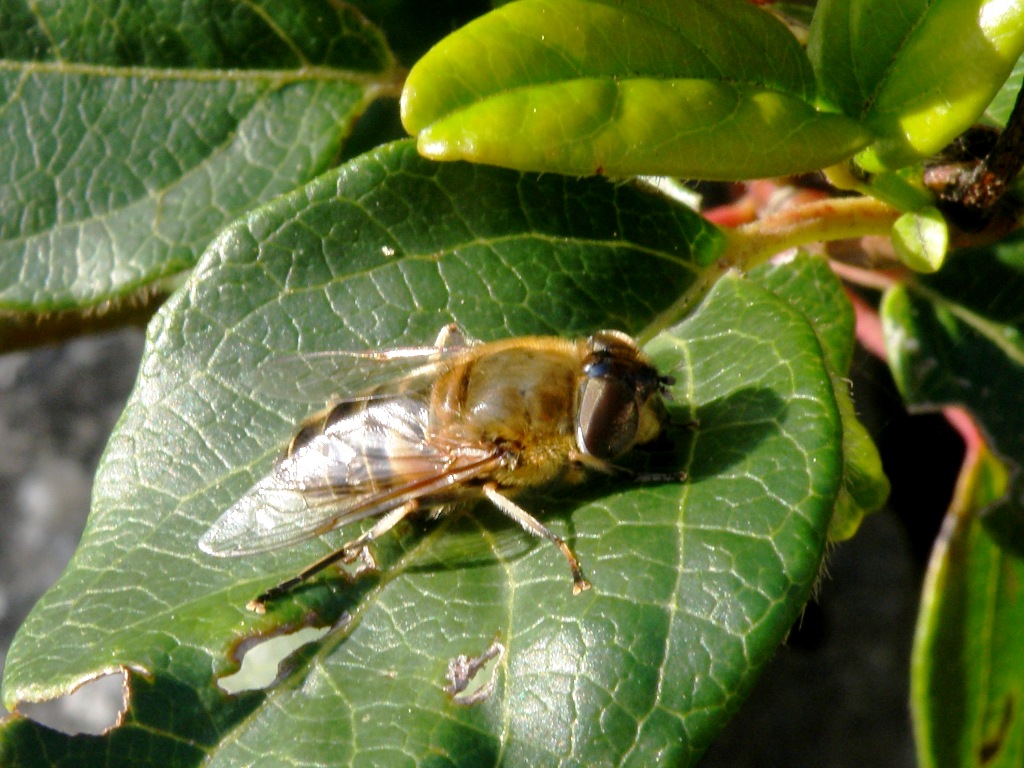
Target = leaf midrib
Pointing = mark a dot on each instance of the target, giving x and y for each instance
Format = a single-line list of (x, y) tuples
[(275, 77)]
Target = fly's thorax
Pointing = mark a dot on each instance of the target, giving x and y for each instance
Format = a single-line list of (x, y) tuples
[(539, 462), (509, 393)]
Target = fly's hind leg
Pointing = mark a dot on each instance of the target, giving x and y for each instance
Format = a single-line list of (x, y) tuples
[(357, 548), (534, 526)]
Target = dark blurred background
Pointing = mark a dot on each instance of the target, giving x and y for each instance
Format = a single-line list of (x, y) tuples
[(58, 405)]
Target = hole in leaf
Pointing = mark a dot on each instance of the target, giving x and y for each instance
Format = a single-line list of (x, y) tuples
[(471, 678), (94, 707), (264, 659)]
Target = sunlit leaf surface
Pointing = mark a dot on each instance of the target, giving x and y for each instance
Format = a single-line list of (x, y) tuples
[(695, 584), (917, 72), (583, 87), (133, 132)]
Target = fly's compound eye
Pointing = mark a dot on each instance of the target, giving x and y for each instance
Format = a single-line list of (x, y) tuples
[(608, 417)]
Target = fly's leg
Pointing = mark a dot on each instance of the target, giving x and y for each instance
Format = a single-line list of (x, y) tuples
[(357, 548), (607, 468), (534, 526), (452, 335)]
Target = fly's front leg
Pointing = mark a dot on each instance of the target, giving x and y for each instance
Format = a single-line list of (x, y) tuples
[(607, 468), (534, 526), (452, 335), (357, 548), (659, 477)]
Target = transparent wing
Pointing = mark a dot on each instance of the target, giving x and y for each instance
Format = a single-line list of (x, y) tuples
[(324, 376), (363, 465), (318, 377)]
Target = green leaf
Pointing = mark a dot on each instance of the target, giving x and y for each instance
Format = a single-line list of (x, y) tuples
[(956, 338), (134, 132), (901, 189), (998, 112), (695, 583), (917, 72), (810, 286), (966, 670), (920, 239), (584, 87)]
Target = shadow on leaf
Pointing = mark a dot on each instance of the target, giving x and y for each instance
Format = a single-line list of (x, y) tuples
[(731, 428)]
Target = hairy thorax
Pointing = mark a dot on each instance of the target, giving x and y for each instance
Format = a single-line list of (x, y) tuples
[(521, 399)]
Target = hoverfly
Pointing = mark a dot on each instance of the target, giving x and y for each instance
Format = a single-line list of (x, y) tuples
[(440, 426)]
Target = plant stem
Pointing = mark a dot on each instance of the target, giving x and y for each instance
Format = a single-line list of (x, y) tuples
[(819, 221)]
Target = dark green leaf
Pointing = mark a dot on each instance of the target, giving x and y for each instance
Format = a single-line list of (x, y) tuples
[(967, 674), (998, 112), (589, 87), (955, 338), (133, 133), (695, 583), (918, 72), (812, 288)]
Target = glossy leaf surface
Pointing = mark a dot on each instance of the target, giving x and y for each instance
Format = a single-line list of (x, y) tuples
[(695, 583), (715, 91), (921, 239), (918, 72)]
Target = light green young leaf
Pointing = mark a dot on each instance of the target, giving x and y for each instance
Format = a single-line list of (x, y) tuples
[(920, 239), (583, 87), (917, 72)]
